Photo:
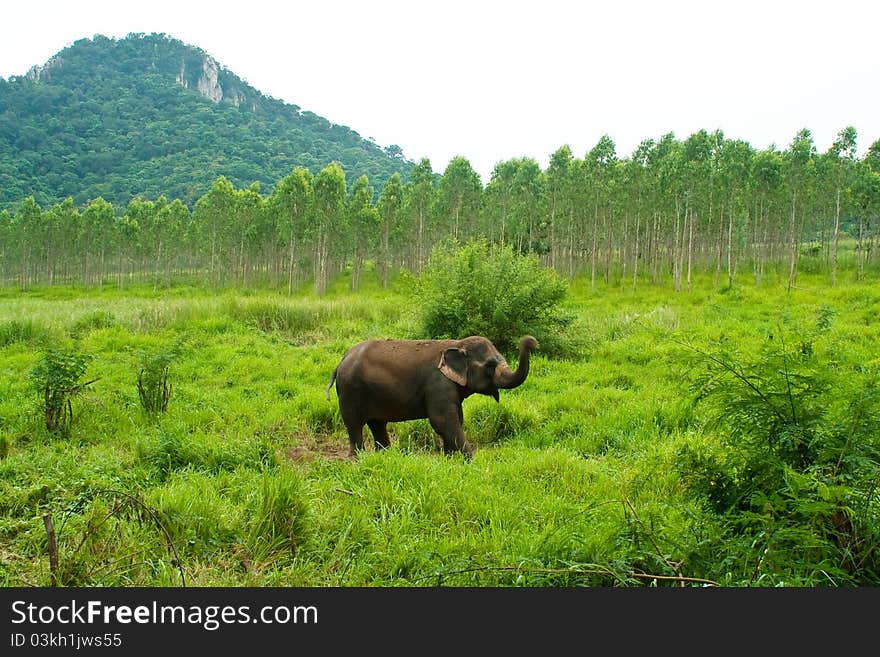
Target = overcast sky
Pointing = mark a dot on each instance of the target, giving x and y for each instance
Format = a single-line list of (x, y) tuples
[(494, 80)]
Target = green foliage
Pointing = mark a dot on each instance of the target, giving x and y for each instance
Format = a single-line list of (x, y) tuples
[(121, 118), (279, 517), (57, 378), (153, 387), (269, 316), (95, 320), (797, 473), (18, 330), (602, 470), (494, 422), (489, 290)]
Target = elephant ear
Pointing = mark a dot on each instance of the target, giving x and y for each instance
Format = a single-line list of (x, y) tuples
[(453, 364)]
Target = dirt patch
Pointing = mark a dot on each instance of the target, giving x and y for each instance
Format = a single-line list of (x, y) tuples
[(308, 448)]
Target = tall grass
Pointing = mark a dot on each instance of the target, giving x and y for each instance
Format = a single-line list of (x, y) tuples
[(620, 461)]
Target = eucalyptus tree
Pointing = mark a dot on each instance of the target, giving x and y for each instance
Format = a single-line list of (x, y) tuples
[(842, 158), (140, 241), (799, 162), (5, 243), (698, 177), (559, 180), (599, 164), (665, 167), (23, 232), (499, 199), (292, 205), (211, 224), (528, 197), (389, 209), (130, 249), (459, 194), (420, 198), (170, 226), (734, 170), (866, 203), (328, 220), (637, 175), (514, 197), (64, 222), (249, 226), (767, 183), (98, 232), (363, 221), (872, 157)]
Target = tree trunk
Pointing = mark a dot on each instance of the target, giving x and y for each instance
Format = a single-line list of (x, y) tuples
[(836, 241)]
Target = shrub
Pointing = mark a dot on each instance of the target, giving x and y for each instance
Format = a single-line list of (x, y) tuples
[(797, 471), (57, 378), (154, 390), (490, 290)]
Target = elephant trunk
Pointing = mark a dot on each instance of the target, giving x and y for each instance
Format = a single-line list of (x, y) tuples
[(504, 377)]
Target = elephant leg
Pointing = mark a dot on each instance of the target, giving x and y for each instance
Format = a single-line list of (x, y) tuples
[(354, 424), (379, 430), (447, 424), (355, 438)]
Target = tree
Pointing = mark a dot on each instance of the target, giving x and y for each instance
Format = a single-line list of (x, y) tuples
[(389, 204), (96, 236), (560, 207), (459, 198), (327, 220), (364, 221), (638, 176), (292, 201), (170, 226), (599, 166), (799, 160), (248, 221), (513, 196), (23, 231), (843, 157), (420, 197), (211, 222), (866, 201)]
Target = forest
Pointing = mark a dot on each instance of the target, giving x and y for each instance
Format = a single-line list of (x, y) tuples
[(706, 204)]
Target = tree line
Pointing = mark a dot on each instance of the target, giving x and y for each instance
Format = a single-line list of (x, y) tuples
[(670, 210)]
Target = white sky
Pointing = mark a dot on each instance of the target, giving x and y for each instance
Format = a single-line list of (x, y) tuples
[(493, 80)]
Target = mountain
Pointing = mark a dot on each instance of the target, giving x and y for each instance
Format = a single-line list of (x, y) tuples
[(149, 115)]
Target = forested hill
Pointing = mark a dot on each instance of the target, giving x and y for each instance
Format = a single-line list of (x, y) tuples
[(149, 115)]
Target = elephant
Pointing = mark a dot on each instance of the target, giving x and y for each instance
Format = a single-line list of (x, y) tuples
[(382, 381)]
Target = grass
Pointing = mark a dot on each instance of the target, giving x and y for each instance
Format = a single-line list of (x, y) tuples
[(243, 480)]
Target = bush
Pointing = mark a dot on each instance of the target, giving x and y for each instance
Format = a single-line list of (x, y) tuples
[(57, 378), (490, 290), (153, 387), (795, 479)]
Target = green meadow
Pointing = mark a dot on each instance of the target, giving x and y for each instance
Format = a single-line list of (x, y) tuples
[(708, 437)]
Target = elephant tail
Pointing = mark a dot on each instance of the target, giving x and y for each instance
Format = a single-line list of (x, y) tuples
[(332, 381)]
